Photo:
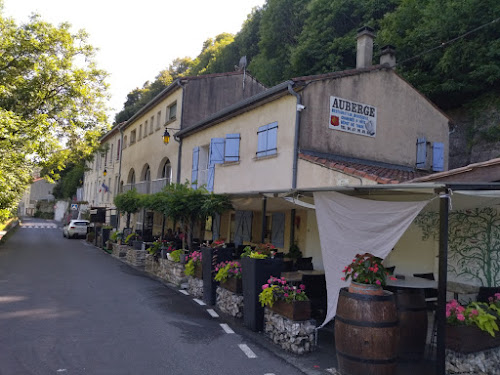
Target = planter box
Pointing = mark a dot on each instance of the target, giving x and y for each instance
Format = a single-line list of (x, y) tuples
[(233, 285), (256, 272), (211, 257), (469, 339), (137, 245), (297, 310), (198, 271)]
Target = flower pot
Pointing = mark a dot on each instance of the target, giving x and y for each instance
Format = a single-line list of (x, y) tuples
[(295, 310), (233, 285), (469, 339), (169, 256), (366, 289)]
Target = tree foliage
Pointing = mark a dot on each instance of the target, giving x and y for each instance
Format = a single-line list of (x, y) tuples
[(129, 202), (50, 89)]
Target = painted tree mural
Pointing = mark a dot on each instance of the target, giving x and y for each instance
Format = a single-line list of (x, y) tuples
[(474, 243)]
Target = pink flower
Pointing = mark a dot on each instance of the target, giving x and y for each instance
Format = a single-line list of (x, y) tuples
[(286, 295), (474, 312), (265, 286), (302, 286), (342, 278), (392, 278), (460, 317), (448, 313), (378, 282), (299, 291)]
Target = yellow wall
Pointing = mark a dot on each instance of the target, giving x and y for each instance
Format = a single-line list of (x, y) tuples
[(250, 174)]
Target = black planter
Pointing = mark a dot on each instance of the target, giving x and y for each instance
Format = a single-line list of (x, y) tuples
[(486, 292), (105, 235), (210, 258), (256, 272)]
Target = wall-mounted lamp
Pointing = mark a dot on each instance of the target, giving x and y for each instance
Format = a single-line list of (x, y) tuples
[(166, 135), (105, 172)]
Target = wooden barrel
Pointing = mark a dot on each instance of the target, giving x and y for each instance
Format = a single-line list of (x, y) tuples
[(366, 334), (412, 313)]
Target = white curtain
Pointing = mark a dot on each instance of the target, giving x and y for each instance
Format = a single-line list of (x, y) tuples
[(348, 226)]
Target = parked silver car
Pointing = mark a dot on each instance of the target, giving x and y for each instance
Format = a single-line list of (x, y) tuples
[(76, 228)]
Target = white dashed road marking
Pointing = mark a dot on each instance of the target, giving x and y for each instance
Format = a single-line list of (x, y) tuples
[(212, 313), (185, 292), (226, 328), (199, 302), (248, 352)]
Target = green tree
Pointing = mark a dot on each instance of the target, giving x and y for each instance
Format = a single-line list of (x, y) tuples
[(280, 27), (212, 58), (129, 203), (327, 42), (50, 88), (458, 71)]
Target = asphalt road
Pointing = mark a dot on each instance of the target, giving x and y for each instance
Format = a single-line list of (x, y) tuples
[(69, 308)]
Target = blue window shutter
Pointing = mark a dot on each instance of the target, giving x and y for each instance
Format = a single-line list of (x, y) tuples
[(246, 233), (194, 172), (232, 151), (210, 177), (421, 152), (272, 138), (278, 229), (262, 141), (216, 151), (438, 156), (215, 227)]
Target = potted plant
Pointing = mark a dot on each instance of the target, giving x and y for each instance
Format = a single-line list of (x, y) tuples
[(248, 252), (229, 275), (286, 299), (473, 327), (367, 274), (175, 256), (193, 266), (116, 237)]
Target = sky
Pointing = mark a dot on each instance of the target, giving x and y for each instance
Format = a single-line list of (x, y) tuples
[(138, 39)]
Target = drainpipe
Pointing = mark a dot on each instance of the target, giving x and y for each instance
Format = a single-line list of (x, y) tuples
[(299, 108), (179, 152), (120, 127)]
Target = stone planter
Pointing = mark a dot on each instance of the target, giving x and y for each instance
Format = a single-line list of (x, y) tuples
[(297, 310), (229, 303), (233, 285), (469, 339), (137, 245), (294, 336)]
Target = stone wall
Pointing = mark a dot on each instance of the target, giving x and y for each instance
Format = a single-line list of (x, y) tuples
[(151, 265), (480, 363), (229, 302), (294, 336), (119, 251), (171, 272), (195, 287), (136, 258)]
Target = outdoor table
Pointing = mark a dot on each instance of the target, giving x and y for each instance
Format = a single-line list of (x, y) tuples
[(412, 282)]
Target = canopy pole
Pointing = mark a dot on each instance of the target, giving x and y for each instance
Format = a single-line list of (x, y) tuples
[(264, 220), (443, 273), (292, 226)]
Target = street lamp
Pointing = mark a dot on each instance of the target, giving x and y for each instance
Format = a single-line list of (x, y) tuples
[(105, 172), (166, 135)]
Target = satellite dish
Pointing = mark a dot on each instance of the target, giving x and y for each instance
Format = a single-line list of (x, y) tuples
[(243, 63)]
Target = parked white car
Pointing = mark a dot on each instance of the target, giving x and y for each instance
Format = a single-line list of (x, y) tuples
[(76, 228)]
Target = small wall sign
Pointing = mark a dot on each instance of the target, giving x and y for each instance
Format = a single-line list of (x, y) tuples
[(353, 117), (74, 207)]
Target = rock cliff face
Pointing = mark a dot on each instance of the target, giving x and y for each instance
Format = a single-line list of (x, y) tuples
[(475, 132)]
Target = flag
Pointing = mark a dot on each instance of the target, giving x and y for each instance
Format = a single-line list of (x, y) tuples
[(105, 187)]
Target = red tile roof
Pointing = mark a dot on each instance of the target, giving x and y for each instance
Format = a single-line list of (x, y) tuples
[(382, 175)]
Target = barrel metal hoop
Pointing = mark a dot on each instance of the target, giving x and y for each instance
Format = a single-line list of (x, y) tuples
[(367, 324), (363, 297), (365, 360)]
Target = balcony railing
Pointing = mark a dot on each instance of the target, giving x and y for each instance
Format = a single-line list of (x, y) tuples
[(158, 185), (148, 187)]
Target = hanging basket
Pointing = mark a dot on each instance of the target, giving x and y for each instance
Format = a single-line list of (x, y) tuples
[(366, 289)]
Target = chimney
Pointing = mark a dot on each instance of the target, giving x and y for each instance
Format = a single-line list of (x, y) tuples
[(364, 54), (388, 56)]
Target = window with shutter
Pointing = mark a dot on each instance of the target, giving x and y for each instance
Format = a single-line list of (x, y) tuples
[(216, 151), (421, 152), (194, 172), (267, 137), (232, 150), (438, 156), (278, 229)]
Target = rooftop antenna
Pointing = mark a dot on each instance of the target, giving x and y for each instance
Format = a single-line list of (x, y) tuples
[(242, 65)]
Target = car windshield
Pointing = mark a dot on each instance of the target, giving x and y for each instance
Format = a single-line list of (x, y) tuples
[(80, 223)]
